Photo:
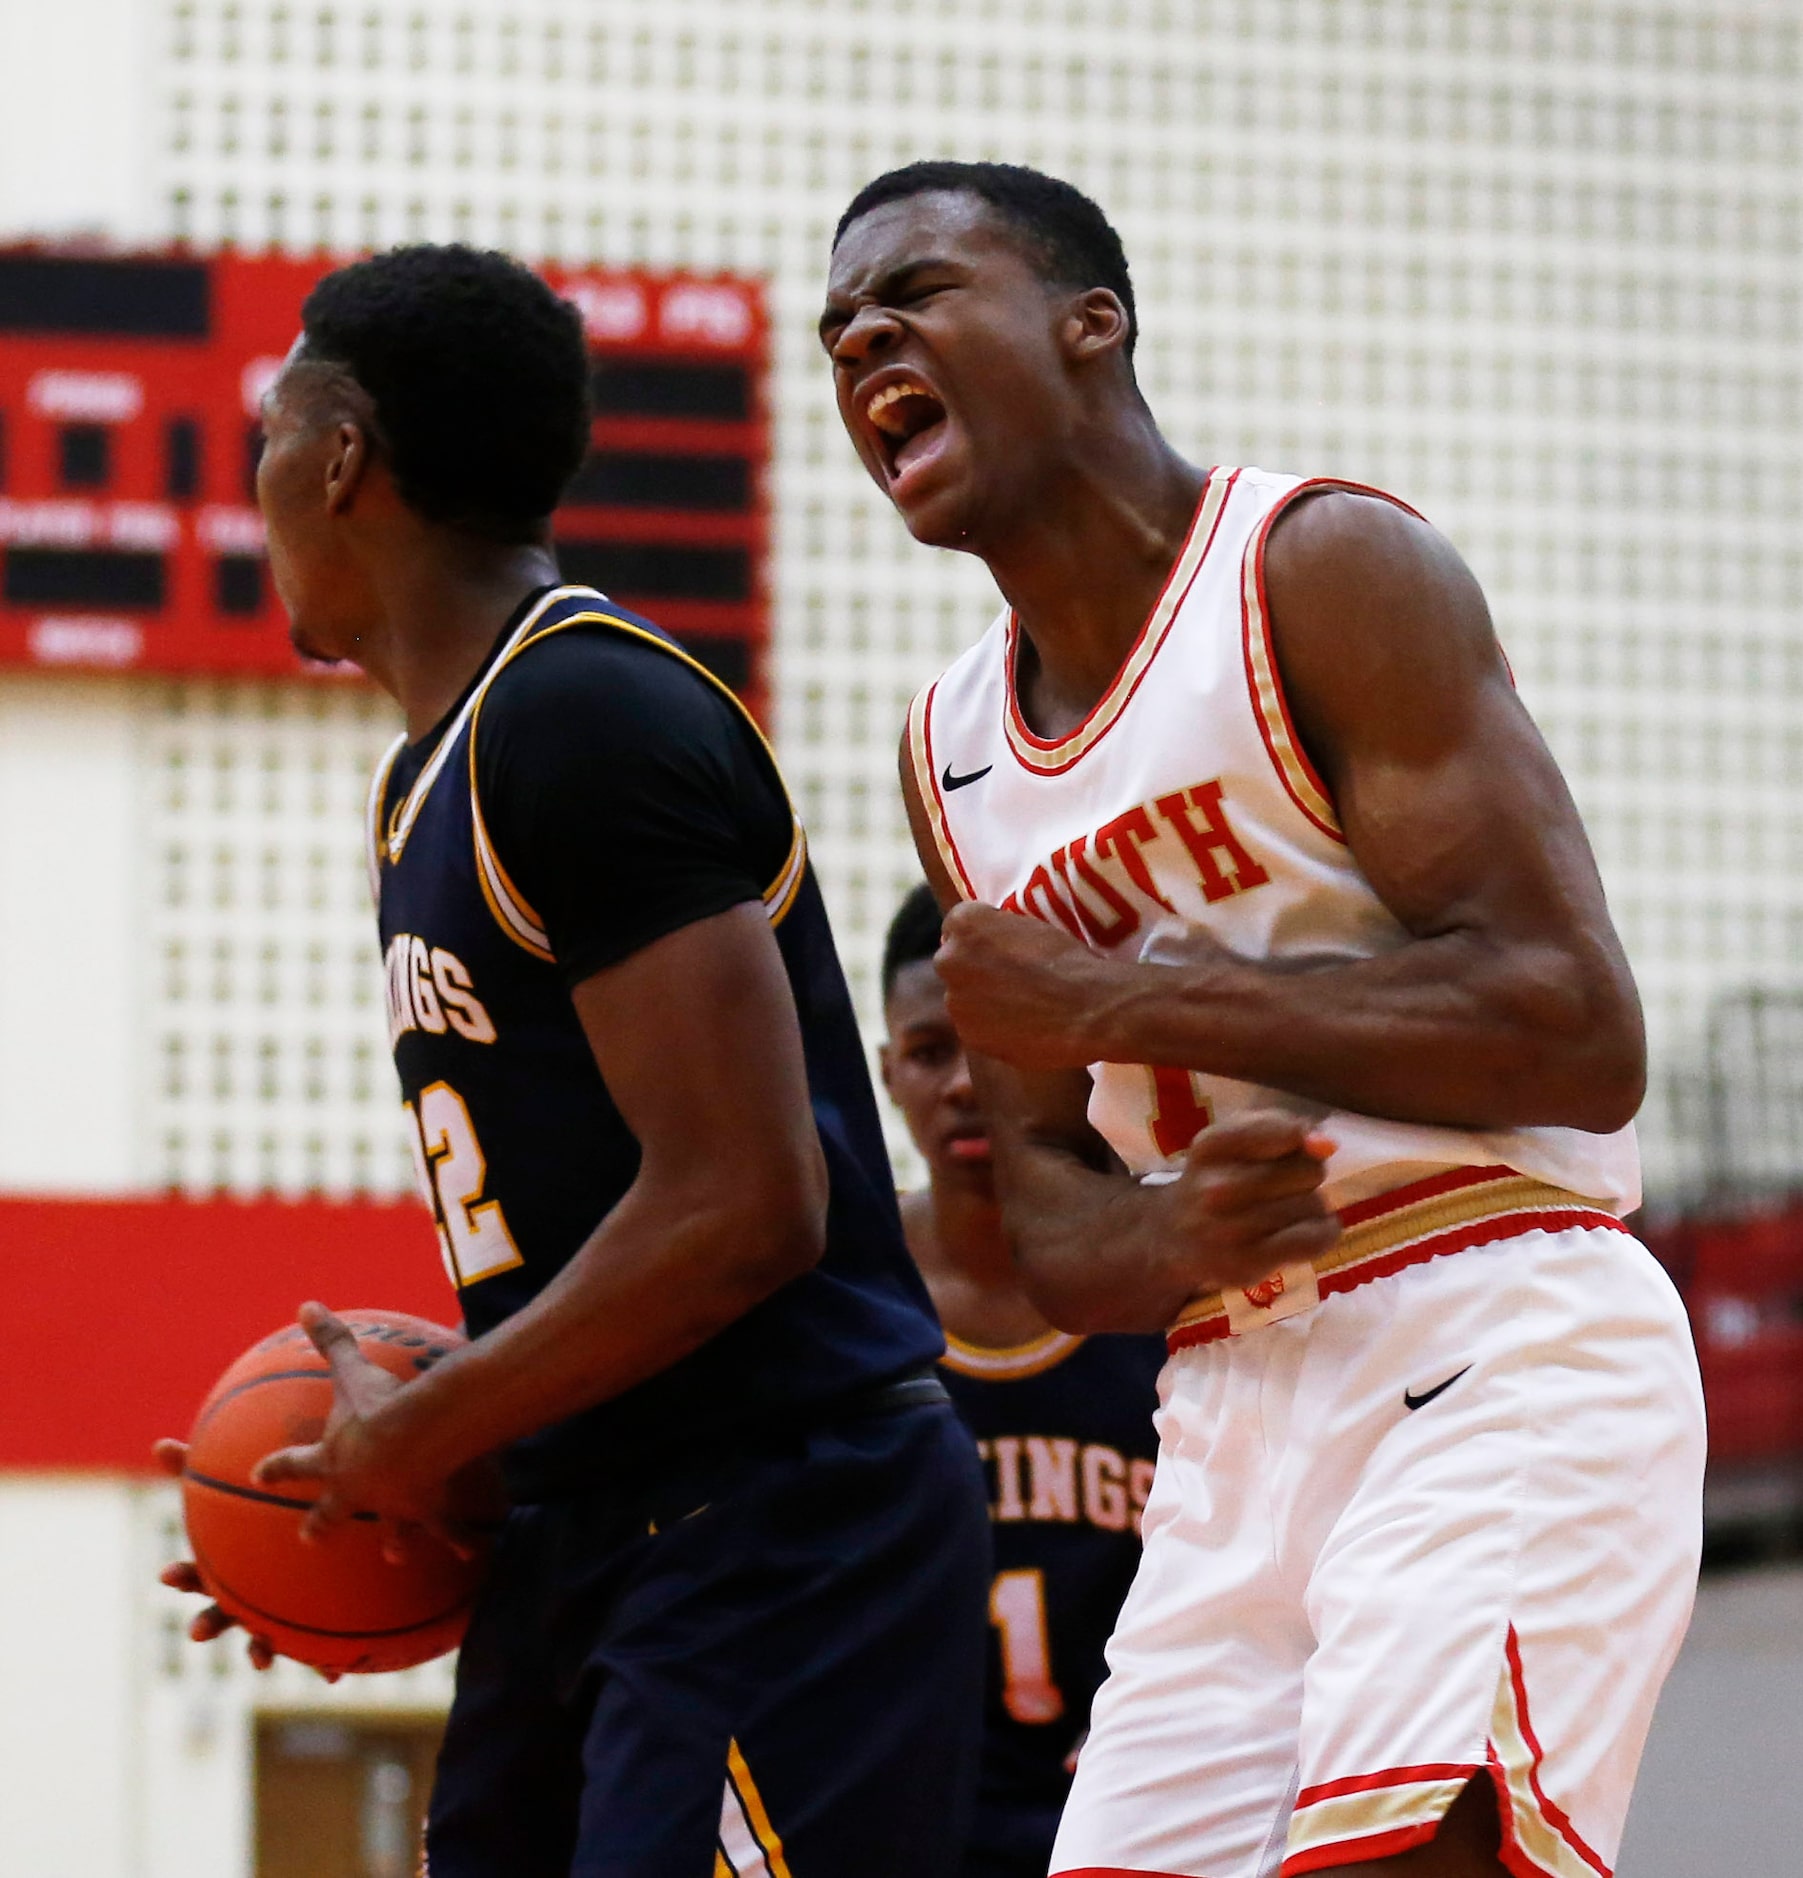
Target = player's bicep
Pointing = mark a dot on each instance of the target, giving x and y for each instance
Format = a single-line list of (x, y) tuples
[(1444, 789), (698, 1041)]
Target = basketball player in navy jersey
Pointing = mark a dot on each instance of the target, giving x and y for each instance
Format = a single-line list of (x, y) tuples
[(1251, 852), (1063, 1424), (735, 1619)]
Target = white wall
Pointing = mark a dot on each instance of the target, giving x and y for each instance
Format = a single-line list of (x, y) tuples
[(125, 1750), (72, 934), (78, 108), (70, 1720)]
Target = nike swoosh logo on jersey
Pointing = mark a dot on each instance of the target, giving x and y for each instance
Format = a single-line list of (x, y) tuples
[(962, 782), (1421, 1401)]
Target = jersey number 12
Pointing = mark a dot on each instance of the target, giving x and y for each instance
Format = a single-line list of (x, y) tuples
[(454, 1173)]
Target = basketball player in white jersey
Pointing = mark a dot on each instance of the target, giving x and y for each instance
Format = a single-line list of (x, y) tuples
[(1299, 880)]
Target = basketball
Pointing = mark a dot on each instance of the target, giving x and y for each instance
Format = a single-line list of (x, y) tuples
[(337, 1604)]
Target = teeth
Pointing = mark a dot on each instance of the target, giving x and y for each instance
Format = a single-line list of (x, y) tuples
[(887, 398)]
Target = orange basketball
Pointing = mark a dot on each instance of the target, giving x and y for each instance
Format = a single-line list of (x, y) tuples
[(337, 1604)]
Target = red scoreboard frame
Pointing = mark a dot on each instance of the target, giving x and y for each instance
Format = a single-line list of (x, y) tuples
[(129, 534)]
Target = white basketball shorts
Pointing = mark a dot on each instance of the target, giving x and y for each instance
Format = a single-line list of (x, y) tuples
[(1441, 1526)]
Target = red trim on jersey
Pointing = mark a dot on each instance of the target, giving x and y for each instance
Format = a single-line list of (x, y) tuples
[(1463, 1238), (1489, 1230), (1108, 701), (1554, 1815), (1357, 1851), (1313, 486), (945, 820), (1390, 1777)]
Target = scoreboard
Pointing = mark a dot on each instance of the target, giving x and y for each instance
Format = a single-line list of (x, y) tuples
[(129, 435)]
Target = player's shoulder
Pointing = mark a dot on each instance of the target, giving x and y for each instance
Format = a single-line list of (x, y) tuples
[(592, 666)]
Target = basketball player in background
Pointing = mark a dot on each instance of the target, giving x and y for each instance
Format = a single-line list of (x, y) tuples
[(1250, 847), (1063, 1425), (735, 1620)]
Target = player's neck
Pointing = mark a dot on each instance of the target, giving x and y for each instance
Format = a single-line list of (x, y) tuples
[(956, 1236), (1084, 571), (441, 611)]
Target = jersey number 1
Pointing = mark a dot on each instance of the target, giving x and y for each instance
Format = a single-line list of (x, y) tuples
[(454, 1172), (1017, 1609)]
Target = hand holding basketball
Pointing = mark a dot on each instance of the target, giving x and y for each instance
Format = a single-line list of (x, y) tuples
[(357, 1467), (381, 1580), (184, 1575)]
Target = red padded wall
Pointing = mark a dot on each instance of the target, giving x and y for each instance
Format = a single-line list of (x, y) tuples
[(116, 1316)]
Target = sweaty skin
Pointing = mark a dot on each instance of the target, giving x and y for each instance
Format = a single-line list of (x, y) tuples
[(730, 1200), (1511, 1005)]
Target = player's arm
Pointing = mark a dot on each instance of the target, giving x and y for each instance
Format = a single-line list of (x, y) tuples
[(1096, 1250), (1510, 1004), (729, 1205)]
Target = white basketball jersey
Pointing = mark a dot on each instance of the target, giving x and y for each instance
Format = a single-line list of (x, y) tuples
[(1183, 804)]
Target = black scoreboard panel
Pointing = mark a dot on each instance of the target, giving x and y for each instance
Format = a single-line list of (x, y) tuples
[(129, 536)]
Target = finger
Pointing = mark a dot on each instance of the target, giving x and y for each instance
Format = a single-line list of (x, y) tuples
[(183, 1575), (332, 1337), (1243, 1184), (359, 1381), (1257, 1135), (1306, 1239), (327, 1513), (261, 1653), (170, 1455), (1322, 1147), (329, 1675), (401, 1540), (1251, 1226), (211, 1623), (304, 1463)]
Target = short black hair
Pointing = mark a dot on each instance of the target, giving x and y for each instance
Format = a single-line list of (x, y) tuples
[(1073, 244), (913, 935), (479, 374)]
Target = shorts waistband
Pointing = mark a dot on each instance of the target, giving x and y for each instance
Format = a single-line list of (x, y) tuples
[(1463, 1207)]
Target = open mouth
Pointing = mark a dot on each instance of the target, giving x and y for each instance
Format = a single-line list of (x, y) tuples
[(908, 421)]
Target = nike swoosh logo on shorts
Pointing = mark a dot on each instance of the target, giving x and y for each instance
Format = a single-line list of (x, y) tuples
[(1422, 1400), (960, 782)]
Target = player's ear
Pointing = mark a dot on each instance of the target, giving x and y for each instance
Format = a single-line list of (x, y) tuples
[(1095, 324), (347, 465)]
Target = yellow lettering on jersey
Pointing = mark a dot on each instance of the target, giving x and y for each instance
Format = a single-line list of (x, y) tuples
[(1139, 1488), (1063, 1483), (1052, 1468), (424, 993), (429, 988), (1104, 1488), (457, 993), (1008, 1503)]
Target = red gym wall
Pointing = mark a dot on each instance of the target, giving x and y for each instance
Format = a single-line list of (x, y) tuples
[(120, 1313)]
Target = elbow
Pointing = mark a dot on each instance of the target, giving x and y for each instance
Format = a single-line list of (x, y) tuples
[(1582, 1056), (1612, 1086), (779, 1227)]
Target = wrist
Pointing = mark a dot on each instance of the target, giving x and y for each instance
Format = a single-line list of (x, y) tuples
[(416, 1427)]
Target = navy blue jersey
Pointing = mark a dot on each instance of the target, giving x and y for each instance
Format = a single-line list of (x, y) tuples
[(522, 1152), (1064, 1429)]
